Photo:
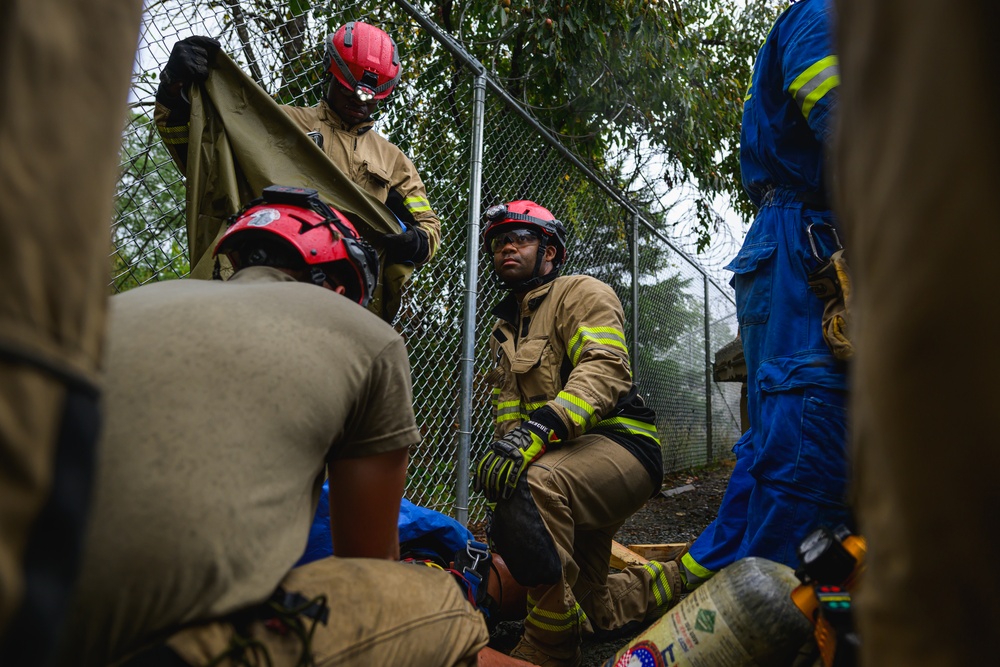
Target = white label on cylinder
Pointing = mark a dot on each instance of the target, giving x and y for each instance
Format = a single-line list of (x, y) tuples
[(692, 634)]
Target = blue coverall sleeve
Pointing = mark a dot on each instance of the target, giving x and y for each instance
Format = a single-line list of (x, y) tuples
[(809, 67)]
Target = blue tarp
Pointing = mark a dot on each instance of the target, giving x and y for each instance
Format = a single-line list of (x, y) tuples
[(415, 523)]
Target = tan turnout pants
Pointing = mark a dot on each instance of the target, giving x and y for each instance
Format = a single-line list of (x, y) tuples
[(918, 172), (64, 74), (381, 613), (584, 492)]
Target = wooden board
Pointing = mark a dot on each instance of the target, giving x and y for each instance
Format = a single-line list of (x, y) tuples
[(639, 554), (660, 552), (622, 556)]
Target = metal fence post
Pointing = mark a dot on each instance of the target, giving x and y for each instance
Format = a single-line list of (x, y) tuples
[(708, 374), (468, 361), (635, 284)]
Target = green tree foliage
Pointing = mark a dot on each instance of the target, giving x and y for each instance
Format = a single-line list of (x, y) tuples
[(643, 90), (632, 86), (148, 232)]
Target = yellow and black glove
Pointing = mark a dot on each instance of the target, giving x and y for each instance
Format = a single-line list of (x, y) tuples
[(498, 471)]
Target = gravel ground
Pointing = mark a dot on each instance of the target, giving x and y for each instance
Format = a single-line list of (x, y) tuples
[(678, 518)]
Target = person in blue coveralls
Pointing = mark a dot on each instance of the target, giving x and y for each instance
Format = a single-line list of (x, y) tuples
[(791, 465)]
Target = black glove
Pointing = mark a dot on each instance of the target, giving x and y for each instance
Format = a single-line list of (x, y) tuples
[(189, 60), (188, 64), (410, 246)]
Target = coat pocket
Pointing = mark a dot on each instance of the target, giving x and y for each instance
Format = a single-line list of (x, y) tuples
[(754, 274), (532, 369), (376, 180)]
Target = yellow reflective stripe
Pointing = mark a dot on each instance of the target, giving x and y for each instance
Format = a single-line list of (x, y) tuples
[(174, 134), (173, 129), (818, 94), (659, 585), (579, 410), (564, 622), (558, 615), (598, 335), (417, 204), (509, 411), (530, 407), (633, 426), (694, 567), (816, 81)]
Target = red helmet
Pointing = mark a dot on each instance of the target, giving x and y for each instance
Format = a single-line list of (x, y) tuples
[(322, 237), (524, 213), (364, 59)]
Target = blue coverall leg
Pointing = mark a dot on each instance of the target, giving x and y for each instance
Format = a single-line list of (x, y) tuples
[(797, 390), (716, 545)]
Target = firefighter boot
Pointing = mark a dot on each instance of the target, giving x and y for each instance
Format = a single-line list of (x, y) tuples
[(536, 656)]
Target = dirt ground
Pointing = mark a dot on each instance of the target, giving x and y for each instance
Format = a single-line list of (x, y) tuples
[(678, 518)]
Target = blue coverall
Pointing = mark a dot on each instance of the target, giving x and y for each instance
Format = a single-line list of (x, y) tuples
[(791, 468)]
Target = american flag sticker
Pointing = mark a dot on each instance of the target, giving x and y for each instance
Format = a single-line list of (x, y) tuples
[(642, 654)]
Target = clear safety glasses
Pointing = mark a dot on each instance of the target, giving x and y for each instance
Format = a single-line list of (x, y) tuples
[(519, 238)]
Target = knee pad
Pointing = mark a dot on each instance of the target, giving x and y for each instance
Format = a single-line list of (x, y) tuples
[(519, 535)]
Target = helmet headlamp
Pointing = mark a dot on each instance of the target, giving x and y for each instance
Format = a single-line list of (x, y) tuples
[(496, 213)]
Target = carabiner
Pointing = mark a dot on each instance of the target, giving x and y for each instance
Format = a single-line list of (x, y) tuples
[(812, 239)]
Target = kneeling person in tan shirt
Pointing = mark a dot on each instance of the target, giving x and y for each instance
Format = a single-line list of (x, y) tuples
[(227, 403)]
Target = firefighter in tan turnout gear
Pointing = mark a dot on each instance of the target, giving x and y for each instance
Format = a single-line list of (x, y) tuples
[(576, 450), (361, 69)]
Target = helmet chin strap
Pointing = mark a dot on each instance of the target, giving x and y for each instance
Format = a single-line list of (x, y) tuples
[(535, 280), (317, 276)]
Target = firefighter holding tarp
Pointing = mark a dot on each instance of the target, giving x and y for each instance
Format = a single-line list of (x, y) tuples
[(362, 68), (576, 451), (214, 453)]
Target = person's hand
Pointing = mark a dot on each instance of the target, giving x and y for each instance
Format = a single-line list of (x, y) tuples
[(499, 469), (189, 60), (409, 246)]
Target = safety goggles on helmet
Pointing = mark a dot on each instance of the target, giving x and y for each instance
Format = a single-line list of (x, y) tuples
[(321, 235), (526, 214), (519, 238)]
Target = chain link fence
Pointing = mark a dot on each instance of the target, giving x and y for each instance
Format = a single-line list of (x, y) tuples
[(676, 315)]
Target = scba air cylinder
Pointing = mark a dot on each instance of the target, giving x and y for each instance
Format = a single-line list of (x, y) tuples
[(742, 617)]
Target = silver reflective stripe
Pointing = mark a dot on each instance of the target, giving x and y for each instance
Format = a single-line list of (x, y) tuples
[(579, 413), (815, 82)]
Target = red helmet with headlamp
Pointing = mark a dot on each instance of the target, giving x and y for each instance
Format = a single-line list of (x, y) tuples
[(364, 59), (526, 215)]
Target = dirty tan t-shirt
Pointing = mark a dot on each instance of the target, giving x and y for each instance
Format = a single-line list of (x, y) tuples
[(223, 402)]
